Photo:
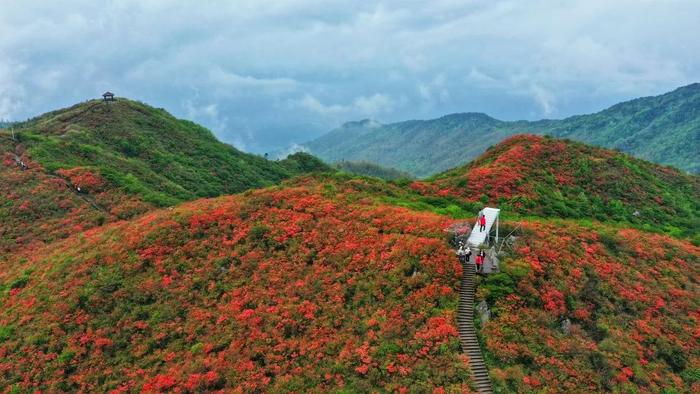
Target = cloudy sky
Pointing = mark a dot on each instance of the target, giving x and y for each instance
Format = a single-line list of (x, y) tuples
[(266, 74)]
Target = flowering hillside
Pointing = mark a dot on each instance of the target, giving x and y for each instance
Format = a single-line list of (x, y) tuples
[(37, 207), (291, 289), (337, 283), (632, 300), (548, 177)]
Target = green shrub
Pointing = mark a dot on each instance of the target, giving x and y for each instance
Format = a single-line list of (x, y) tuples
[(6, 333)]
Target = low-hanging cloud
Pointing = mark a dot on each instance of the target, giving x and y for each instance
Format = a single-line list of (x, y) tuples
[(266, 77), (362, 106)]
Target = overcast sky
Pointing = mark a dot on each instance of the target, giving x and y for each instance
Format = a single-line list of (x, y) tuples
[(266, 74)]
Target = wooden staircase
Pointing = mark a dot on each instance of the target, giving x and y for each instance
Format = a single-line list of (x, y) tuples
[(467, 333)]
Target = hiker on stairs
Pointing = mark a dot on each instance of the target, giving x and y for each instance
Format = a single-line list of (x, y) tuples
[(482, 223), (461, 253), (480, 260), (20, 163), (467, 253)]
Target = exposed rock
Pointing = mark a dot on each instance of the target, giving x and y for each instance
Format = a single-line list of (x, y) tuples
[(492, 262), (484, 311), (566, 326), (508, 243)]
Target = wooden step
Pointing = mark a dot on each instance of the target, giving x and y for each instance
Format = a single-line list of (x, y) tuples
[(467, 333)]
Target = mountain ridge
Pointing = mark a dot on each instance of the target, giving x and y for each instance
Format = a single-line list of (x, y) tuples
[(664, 129), (371, 169)]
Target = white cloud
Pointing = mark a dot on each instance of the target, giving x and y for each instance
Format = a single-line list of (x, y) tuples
[(373, 105), (435, 91), (312, 104), (479, 77), (12, 93), (232, 80), (544, 98), (290, 150), (288, 71), (206, 114), (362, 106)]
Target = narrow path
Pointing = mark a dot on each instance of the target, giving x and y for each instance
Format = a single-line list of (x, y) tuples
[(467, 333), (90, 200)]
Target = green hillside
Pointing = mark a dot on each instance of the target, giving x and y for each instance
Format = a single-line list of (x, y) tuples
[(126, 158), (370, 169), (663, 129), (420, 147), (146, 151)]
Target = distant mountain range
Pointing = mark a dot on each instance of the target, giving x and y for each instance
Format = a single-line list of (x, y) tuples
[(664, 129)]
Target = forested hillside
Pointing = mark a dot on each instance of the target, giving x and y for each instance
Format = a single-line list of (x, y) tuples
[(370, 169), (664, 129)]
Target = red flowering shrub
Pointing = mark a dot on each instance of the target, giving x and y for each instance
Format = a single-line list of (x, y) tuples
[(550, 177), (277, 290), (37, 208), (323, 285), (82, 177), (632, 300)]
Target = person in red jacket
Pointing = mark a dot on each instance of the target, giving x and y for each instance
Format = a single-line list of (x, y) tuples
[(482, 223), (479, 262)]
